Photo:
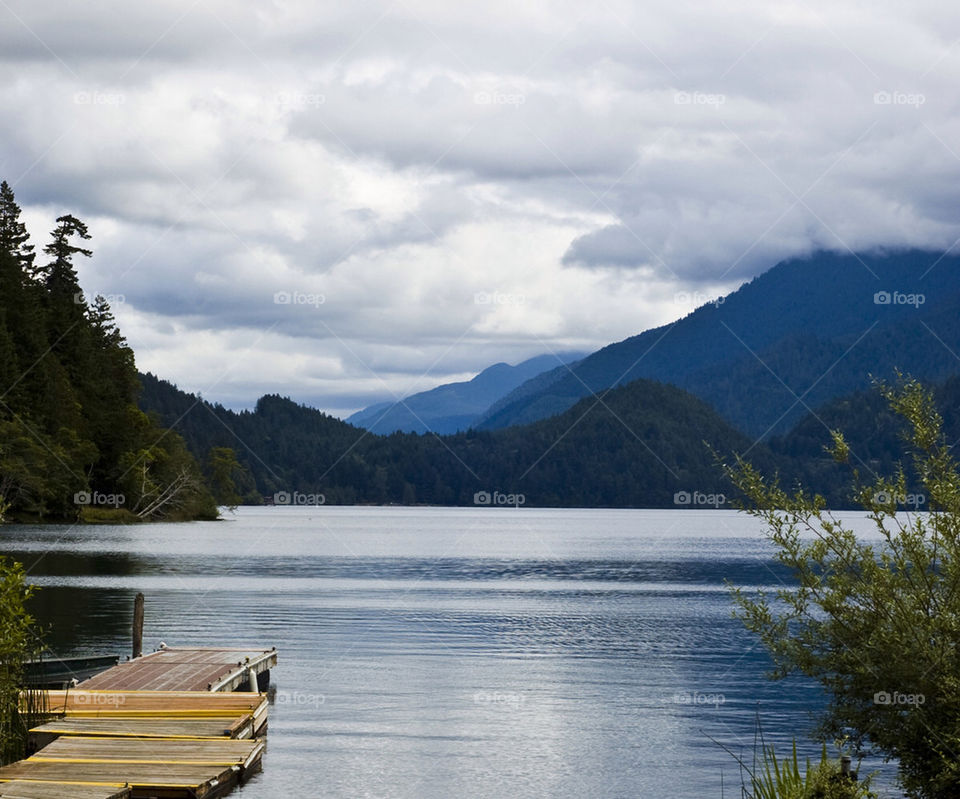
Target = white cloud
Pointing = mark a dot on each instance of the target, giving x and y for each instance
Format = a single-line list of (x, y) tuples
[(605, 163)]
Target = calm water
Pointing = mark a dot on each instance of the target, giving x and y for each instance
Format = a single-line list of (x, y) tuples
[(428, 652)]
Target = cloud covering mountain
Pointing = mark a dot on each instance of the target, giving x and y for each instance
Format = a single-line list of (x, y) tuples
[(435, 187)]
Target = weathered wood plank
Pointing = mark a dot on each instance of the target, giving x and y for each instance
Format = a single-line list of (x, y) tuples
[(177, 779), (185, 669), (217, 727), (223, 751), (170, 704), (60, 790)]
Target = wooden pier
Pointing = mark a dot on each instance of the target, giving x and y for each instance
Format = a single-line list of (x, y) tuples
[(173, 669), (124, 734)]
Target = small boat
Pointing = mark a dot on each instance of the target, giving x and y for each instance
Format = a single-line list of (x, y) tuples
[(61, 672)]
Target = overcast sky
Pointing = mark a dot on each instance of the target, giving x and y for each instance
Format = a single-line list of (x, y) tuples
[(435, 187)]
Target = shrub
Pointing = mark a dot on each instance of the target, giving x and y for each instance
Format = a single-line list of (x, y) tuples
[(877, 625)]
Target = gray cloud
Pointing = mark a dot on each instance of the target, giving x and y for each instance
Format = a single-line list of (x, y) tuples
[(402, 159)]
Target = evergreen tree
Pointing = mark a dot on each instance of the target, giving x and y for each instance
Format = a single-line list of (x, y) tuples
[(68, 330), (14, 238), (20, 299), (223, 471), (109, 394), (60, 275), (69, 421)]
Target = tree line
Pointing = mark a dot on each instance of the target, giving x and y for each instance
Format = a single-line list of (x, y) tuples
[(73, 441)]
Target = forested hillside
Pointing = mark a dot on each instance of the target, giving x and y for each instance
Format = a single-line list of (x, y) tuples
[(639, 447), (645, 444), (876, 438), (797, 336), (73, 442)]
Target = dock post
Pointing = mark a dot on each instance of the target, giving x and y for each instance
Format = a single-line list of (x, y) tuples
[(846, 764), (138, 626), (252, 681)]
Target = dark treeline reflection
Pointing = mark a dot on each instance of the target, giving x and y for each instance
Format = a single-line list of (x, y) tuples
[(83, 620)]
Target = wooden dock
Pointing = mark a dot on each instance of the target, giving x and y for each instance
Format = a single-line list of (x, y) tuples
[(124, 735), (174, 669)]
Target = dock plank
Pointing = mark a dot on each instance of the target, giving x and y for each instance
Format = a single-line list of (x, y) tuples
[(189, 669), (218, 752), (157, 703), (144, 779), (216, 727), (19, 789)]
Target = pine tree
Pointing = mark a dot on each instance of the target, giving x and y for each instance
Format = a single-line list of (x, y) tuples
[(109, 400), (9, 368), (14, 238), (67, 325), (59, 275), (22, 313)]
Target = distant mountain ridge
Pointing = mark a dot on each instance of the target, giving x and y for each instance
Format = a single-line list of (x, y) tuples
[(453, 407), (644, 446), (639, 449), (802, 333)]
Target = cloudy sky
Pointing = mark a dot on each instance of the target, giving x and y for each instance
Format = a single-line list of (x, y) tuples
[(341, 202)]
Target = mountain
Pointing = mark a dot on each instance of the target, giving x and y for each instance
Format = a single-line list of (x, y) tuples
[(641, 446), (802, 333), (455, 406)]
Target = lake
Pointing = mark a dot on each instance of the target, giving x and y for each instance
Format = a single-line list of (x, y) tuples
[(467, 652)]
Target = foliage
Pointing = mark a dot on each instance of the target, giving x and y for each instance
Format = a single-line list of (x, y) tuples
[(770, 778), (876, 624), (70, 429), (227, 477), (17, 645)]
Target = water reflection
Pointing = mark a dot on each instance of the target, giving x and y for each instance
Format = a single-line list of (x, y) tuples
[(438, 652)]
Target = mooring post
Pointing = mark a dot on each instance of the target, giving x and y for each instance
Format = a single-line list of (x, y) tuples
[(846, 763), (252, 681), (138, 626)]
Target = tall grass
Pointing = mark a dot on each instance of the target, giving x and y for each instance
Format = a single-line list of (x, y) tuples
[(767, 777), (771, 778)]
